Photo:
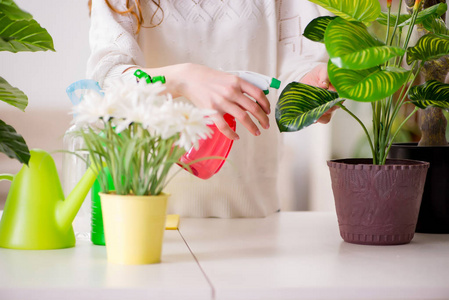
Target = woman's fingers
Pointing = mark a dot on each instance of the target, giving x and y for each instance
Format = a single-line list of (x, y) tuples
[(224, 127)]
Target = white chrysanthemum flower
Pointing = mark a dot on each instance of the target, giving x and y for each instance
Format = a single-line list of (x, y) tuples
[(94, 107), (139, 103), (187, 121)]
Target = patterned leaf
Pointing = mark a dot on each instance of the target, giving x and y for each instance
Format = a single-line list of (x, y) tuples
[(364, 11), (301, 105), (366, 85), (12, 95), (429, 13), (351, 46), (428, 47), (432, 93), (316, 28), (23, 35), (13, 144), (436, 25)]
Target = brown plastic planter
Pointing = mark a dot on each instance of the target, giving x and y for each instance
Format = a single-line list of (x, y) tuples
[(377, 205)]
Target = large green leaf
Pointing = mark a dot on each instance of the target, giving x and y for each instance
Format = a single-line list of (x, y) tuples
[(428, 47), (351, 46), (23, 35), (12, 11), (364, 11), (436, 25), (429, 13), (317, 27), (432, 93), (13, 144), (366, 85), (301, 105), (12, 95)]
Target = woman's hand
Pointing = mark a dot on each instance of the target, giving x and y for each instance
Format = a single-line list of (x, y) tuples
[(223, 92), (319, 77)]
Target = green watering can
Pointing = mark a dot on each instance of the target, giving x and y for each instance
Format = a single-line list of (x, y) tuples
[(36, 215)]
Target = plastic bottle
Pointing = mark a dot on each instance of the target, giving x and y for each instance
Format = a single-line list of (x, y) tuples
[(218, 145), (75, 158)]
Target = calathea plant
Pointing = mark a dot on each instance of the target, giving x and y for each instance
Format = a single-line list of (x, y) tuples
[(18, 32), (363, 68)]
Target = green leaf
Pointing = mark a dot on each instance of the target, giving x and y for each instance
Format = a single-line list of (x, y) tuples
[(351, 46), (429, 13), (428, 47), (432, 93), (23, 35), (364, 11), (436, 25), (316, 28), (383, 17), (12, 95), (366, 85), (13, 144), (301, 105), (12, 11)]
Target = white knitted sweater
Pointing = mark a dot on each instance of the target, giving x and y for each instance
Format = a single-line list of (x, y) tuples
[(263, 36)]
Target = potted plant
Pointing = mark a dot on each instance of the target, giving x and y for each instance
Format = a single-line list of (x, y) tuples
[(134, 134), (377, 200), (20, 32), (433, 146)]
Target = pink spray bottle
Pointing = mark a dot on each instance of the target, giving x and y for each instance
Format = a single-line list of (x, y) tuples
[(218, 145)]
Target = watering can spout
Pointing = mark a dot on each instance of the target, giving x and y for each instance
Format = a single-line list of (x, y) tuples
[(67, 209)]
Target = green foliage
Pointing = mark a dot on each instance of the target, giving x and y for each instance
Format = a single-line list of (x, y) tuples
[(364, 69), (428, 47), (364, 11), (12, 143), (301, 105), (18, 32), (351, 46), (137, 161), (317, 27), (423, 16), (363, 85), (432, 93)]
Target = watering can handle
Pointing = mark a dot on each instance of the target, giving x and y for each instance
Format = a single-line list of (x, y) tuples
[(6, 177), (84, 84)]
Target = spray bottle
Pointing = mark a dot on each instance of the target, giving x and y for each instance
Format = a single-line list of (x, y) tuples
[(74, 159), (218, 145)]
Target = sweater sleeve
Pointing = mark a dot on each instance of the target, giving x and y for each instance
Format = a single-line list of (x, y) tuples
[(113, 43), (296, 54)]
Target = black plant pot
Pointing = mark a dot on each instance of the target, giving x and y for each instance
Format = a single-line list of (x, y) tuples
[(434, 211)]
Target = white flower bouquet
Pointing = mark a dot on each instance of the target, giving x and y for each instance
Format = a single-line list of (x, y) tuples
[(138, 133)]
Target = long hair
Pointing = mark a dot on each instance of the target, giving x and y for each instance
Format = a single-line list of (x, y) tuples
[(135, 9)]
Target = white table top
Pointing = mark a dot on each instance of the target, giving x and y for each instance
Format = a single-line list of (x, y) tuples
[(289, 255), (300, 255)]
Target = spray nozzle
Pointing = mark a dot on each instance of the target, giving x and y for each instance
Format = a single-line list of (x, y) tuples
[(143, 75)]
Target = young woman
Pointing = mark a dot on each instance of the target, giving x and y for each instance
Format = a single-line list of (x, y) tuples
[(193, 43)]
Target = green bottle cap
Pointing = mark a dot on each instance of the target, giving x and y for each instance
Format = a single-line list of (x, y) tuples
[(158, 78), (275, 83)]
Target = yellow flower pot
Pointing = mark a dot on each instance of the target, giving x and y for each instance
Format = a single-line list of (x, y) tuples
[(134, 227)]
